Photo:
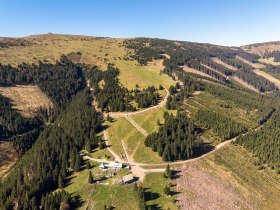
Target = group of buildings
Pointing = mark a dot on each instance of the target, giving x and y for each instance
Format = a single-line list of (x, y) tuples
[(127, 179)]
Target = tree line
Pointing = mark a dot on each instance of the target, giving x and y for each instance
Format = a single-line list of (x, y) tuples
[(146, 98)]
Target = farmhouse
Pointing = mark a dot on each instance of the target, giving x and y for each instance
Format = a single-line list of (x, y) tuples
[(114, 165)]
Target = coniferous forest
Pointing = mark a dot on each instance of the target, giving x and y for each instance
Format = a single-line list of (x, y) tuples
[(175, 139), (264, 142), (12, 123), (222, 125), (51, 157)]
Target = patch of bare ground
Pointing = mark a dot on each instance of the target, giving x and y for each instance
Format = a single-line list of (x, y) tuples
[(245, 84), (220, 62), (27, 99), (227, 179), (268, 77), (8, 158), (254, 65), (194, 71), (201, 190)]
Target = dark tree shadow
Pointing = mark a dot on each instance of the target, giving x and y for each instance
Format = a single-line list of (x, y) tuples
[(202, 149), (172, 193), (175, 174), (78, 201), (154, 207)]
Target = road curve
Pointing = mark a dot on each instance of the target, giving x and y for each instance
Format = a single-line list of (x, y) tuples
[(123, 114)]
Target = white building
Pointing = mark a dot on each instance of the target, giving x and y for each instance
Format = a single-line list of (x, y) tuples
[(114, 165)]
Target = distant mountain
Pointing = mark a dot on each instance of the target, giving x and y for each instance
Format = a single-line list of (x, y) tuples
[(262, 48)]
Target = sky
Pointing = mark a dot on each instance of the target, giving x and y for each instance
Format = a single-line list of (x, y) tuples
[(222, 22)]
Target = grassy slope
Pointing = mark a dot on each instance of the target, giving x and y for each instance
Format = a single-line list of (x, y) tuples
[(206, 100), (8, 157), (122, 131), (97, 51), (148, 120), (269, 61), (154, 183), (120, 197), (79, 186)]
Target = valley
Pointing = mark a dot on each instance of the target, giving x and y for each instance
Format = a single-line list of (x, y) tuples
[(184, 119)]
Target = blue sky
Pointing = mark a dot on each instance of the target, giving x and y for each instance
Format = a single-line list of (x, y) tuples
[(224, 22)]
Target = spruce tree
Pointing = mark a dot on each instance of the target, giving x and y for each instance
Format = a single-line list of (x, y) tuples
[(78, 163), (168, 173), (60, 181), (88, 165), (166, 190), (88, 146), (90, 178), (158, 122)]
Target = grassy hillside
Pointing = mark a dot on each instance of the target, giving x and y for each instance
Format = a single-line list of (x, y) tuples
[(148, 120), (122, 134), (261, 48), (88, 50)]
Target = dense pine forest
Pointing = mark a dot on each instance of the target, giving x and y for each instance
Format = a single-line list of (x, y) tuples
[(12, 123), (146, 98), (48, 161), (223, 126), (264, 142), (175, 139)]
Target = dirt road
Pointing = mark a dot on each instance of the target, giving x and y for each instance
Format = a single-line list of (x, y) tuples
[(124, 114), (138, 170), (136, 125), (117, 158)]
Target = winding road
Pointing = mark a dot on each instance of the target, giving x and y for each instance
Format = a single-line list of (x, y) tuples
[(138, 169), (124, 114)]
